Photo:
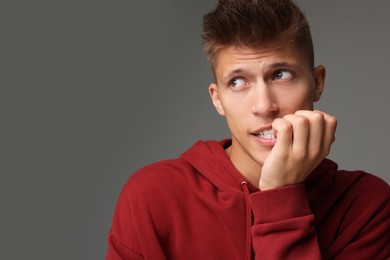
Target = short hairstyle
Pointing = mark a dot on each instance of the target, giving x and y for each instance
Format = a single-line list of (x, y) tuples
[(255, 24)]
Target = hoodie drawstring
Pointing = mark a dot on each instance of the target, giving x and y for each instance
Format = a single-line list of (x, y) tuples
[(244, 186)]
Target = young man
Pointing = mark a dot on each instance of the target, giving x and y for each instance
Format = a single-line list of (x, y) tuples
[(268, 192)]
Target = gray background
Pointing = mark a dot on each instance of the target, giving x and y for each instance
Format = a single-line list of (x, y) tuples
[(92, 90)]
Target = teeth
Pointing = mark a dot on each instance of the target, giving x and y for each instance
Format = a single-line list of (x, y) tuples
[(268, 134)]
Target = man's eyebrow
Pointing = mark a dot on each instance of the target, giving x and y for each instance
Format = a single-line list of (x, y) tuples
[(283, 64), (233, 73)]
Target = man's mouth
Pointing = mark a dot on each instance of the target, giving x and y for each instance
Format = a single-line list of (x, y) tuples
[(266, 134)]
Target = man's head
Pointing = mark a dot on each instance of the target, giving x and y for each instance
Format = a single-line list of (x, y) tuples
[(255, 24), (261, 55)]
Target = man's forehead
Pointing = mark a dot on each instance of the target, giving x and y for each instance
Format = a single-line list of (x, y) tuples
[(245, 54)]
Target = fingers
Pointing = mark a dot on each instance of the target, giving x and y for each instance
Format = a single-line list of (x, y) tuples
[(307, 134), (302, 130), (284, 134), (317, 124), (323, 128), (330, 131)]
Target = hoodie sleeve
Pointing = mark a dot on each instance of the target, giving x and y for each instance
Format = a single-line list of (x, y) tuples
[(284, 224)]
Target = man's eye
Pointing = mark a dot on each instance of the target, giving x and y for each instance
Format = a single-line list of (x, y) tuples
[(283, 75), (237, 83)]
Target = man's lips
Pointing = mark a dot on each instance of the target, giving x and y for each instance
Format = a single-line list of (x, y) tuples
[(265, 136)]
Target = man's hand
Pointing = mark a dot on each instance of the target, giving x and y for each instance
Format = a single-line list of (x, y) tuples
[(303, 141)]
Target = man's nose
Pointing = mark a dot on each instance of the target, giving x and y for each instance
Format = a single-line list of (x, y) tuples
[(264, 101)]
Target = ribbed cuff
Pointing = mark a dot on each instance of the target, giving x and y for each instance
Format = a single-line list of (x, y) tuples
[(280, 204)]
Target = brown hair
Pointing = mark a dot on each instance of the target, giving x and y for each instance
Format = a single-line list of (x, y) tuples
[(255, 24)]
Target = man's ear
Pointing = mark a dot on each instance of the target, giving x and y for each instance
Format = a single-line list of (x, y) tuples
[(319, 79), (213, 91)]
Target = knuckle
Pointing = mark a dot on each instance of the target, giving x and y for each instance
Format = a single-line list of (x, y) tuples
[(302, 121), (318, 116), (285, 126), (332, 120)]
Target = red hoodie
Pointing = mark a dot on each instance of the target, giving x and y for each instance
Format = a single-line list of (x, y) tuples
[(200, 207)]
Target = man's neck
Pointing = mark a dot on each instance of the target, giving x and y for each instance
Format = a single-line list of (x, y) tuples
[(249, 169)]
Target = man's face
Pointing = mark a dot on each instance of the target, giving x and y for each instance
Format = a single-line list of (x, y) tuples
[(256, 86)]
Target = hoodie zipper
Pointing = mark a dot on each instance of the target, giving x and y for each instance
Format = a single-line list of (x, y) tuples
[(248, 252)]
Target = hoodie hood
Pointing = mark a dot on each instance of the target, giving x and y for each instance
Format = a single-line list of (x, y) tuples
[(210, 160)]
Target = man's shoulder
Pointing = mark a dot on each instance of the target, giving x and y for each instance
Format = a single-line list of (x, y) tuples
[(362, 179), (160, 176), (363, 185), (161, 170)]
